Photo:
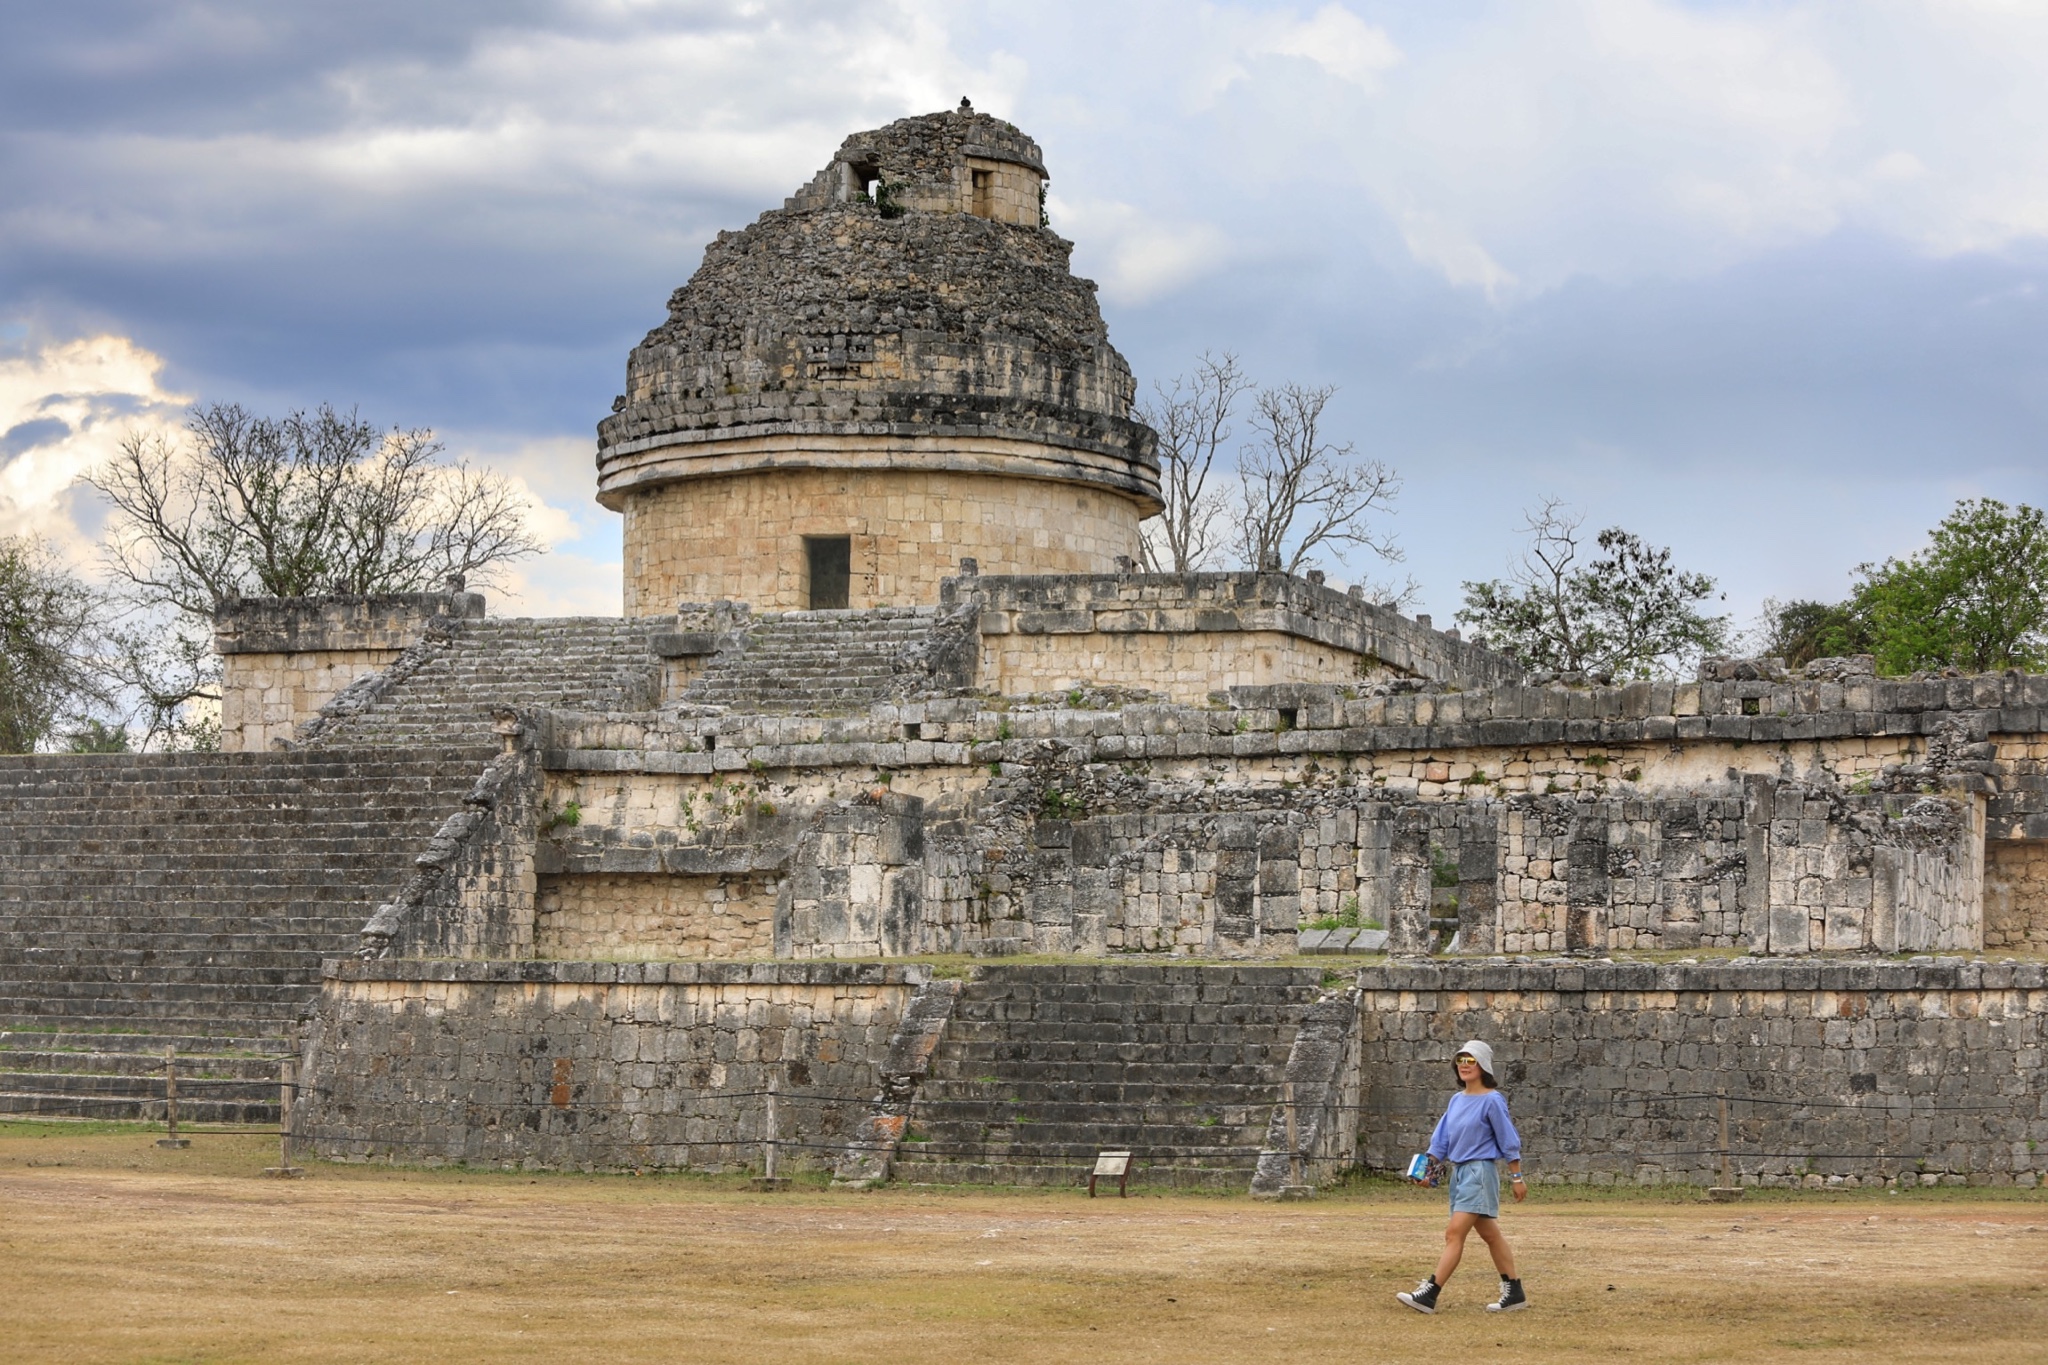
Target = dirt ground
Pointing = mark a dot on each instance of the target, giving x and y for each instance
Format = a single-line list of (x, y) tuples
[(113, 1250)]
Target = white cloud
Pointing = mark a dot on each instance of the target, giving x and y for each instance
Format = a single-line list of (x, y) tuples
[(64, 408), (1510, 147), (1437, 242), (617, 109), (1145, 256), (583, 572), (1336, 40)]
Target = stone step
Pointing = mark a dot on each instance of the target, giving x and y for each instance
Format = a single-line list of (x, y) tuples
[(194, 894), (1171, 1025), (119, 1064), (1178, 1141), (20, 994), (199, 1085), (1080, 1142), (148, 1045), (1170, 1174), (138, 938), (236, 1031), (1042, 1067), (1167, 1094), (1106, 1073), (584, 664), (138, 1107), (834, 660)]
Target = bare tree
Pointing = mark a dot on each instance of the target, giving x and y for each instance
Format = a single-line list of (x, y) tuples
[(1299, 493), (164, 663), (1193, 419), (51, 629), (1627, 612), (301, 506)]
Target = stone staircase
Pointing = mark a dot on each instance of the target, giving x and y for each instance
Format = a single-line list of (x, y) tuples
[(1043, 1067), (186, 900), (121, 1076), (815, 660), (443, 690)]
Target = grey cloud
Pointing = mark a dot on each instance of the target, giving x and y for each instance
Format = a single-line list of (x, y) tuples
[(207, 178), (29, 435)]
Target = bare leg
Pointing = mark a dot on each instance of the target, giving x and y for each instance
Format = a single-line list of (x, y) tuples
[(1497, 1243), (1454, 1244)]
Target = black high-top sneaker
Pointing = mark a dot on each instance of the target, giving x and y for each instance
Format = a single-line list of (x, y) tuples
[(1511, 1297), (1423, 1300)]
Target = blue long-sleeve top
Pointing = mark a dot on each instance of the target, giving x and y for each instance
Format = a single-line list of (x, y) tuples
[(1476, 1128)]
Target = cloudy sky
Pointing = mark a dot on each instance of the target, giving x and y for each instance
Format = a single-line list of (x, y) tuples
[(1766, 282)]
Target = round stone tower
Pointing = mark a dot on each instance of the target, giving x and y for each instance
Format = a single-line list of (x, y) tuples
[(894, 371)]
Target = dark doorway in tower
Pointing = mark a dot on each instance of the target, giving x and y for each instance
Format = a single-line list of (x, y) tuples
[(829, 560)]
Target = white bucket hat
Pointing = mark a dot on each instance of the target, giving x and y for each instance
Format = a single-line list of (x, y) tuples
[(1480, 1053)]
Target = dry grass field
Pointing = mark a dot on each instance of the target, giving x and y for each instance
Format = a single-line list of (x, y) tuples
[(111, 1250)]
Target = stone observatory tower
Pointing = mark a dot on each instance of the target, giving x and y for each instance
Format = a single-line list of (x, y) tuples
[(894, 371)]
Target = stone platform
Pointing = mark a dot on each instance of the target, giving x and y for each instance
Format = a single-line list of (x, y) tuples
[(1843, 1073)]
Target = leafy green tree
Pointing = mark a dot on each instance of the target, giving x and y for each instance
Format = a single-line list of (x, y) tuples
[(97, 737), (51, 630), (1801, 631), (1975, 599), (1626, 612)]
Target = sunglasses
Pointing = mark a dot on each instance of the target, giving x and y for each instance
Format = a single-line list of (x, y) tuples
[(1464, 1057)]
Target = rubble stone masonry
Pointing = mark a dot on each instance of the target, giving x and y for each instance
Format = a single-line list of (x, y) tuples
[(596, 1065), (1837, 1073)]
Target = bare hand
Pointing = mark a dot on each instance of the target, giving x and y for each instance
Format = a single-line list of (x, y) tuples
[(1521, 1191)]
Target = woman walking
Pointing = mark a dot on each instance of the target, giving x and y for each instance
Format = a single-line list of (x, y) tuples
[(1474, 1136)]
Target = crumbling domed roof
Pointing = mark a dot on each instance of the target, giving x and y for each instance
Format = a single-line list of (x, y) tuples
[(909, 291)]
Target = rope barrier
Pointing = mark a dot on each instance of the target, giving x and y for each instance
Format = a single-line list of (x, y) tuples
[(1014, 1113), (1874, 1106)]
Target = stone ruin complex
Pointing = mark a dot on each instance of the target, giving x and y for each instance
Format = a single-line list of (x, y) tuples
[(896, 791)]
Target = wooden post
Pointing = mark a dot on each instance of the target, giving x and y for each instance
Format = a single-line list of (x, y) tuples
[(1727, 1177), (171, 1101), (1293, 1141), (287, 1091), (1727, 1191), (770, 1140), (1297, 1186)]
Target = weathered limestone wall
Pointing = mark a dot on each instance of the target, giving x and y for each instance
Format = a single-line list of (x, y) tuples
[(927, 162), (607, 915), (2016, 895), (1836, 1073), (473, 888), (266, 697), (1191, 636), (1776, 866), (1184, 667), (283, 659), (1002, 190), (957, 825), (740, 536), (580, 1066)]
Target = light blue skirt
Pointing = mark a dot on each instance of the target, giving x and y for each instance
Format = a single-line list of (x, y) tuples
[(1475, 1188)]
